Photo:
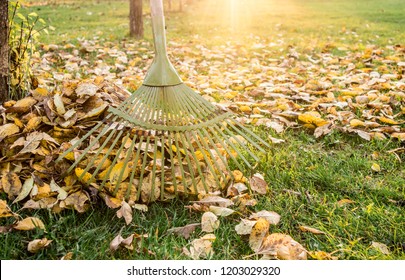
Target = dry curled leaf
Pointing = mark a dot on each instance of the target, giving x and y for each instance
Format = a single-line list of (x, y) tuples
[(311, 230), (221, 211), (272, 217), (244, 227), (184, 231), (209, 222), (126, 212), (200, 248), (383, 248), (258, 184), (282, 247), (38, 244), (5, 210), (259, 232)]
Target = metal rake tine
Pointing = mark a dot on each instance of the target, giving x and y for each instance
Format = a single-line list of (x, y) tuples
[(152, 192), (133, 107), (162, 183), (233, 146)]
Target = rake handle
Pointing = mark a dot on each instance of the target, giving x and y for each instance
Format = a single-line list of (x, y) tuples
[(161, 73), (158, 27)]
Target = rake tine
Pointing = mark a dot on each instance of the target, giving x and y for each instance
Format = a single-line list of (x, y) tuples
[(170, 144), (207, 160), (105, 157), (152, 193), (181, 164), (248, 138), (217, 151), (233, 147), (138, 152), (185, 140), (133, 107), (129, 153), (162, 183), (143, 167), (115, 160)]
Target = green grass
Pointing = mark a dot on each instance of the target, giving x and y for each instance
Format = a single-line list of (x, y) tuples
[(307, 176)]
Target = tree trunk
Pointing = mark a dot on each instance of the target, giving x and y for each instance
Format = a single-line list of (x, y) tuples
[(3, 51), (135, 19)]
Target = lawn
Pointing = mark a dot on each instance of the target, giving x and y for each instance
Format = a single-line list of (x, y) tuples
[(330, 183)]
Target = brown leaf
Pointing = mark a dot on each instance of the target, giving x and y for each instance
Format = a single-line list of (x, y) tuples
[(259, 232), (78, 201), (221, 211), (38, 244), (5, 210), (258, 184), (344, 201), (126, 212), (282, 247), (381, 247), (312, 230), (209, 222), (215, 200), (201, 247), (184, 231), (29, 223), (11, 184)]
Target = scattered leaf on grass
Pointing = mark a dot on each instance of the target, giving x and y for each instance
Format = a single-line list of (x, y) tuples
[(184, 231), (381, 247), (344, 201), (200, 248), (126, 212), (29, 223), (311, 229), (321, 255), (209, 222), (283, 247), (38, 244), (119, 241), (375, 167), (258, 184), (221, 211), (215, 200), (272, 217), (245, 227), (259, 231)]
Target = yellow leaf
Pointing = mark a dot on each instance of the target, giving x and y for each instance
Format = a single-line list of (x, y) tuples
[(70, 156), (60, 107), (312, 118), (86, 177), (399, 136), (11, 184), (344, 201), (117, 170), (5, 211), (375, 167), (311, 230), (32, 124), (356, 123), (388, 121), (282, 247), (238, 175), (29, 223), (259, 232), (8, 129), (38, 244), (245, 109), (321, 255)]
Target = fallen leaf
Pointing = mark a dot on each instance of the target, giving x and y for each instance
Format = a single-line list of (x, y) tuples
[(321, 255), (312, 230), (221, 211), (5, 210), (184, 231), (77, 200), (381, 247), (282, 247), (25, 190), (375, 167), (344, 201), (259, 232), (11, 184), (29, 223), (245, 227), (272, 217), (38, 244), (209, 222), (215, 200), (126, 212), (258, 184), (201, 247)]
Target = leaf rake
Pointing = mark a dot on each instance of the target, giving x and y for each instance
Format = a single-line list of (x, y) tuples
[(163, 127)]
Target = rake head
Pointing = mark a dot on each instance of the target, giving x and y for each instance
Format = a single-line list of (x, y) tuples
[(160, 142)]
